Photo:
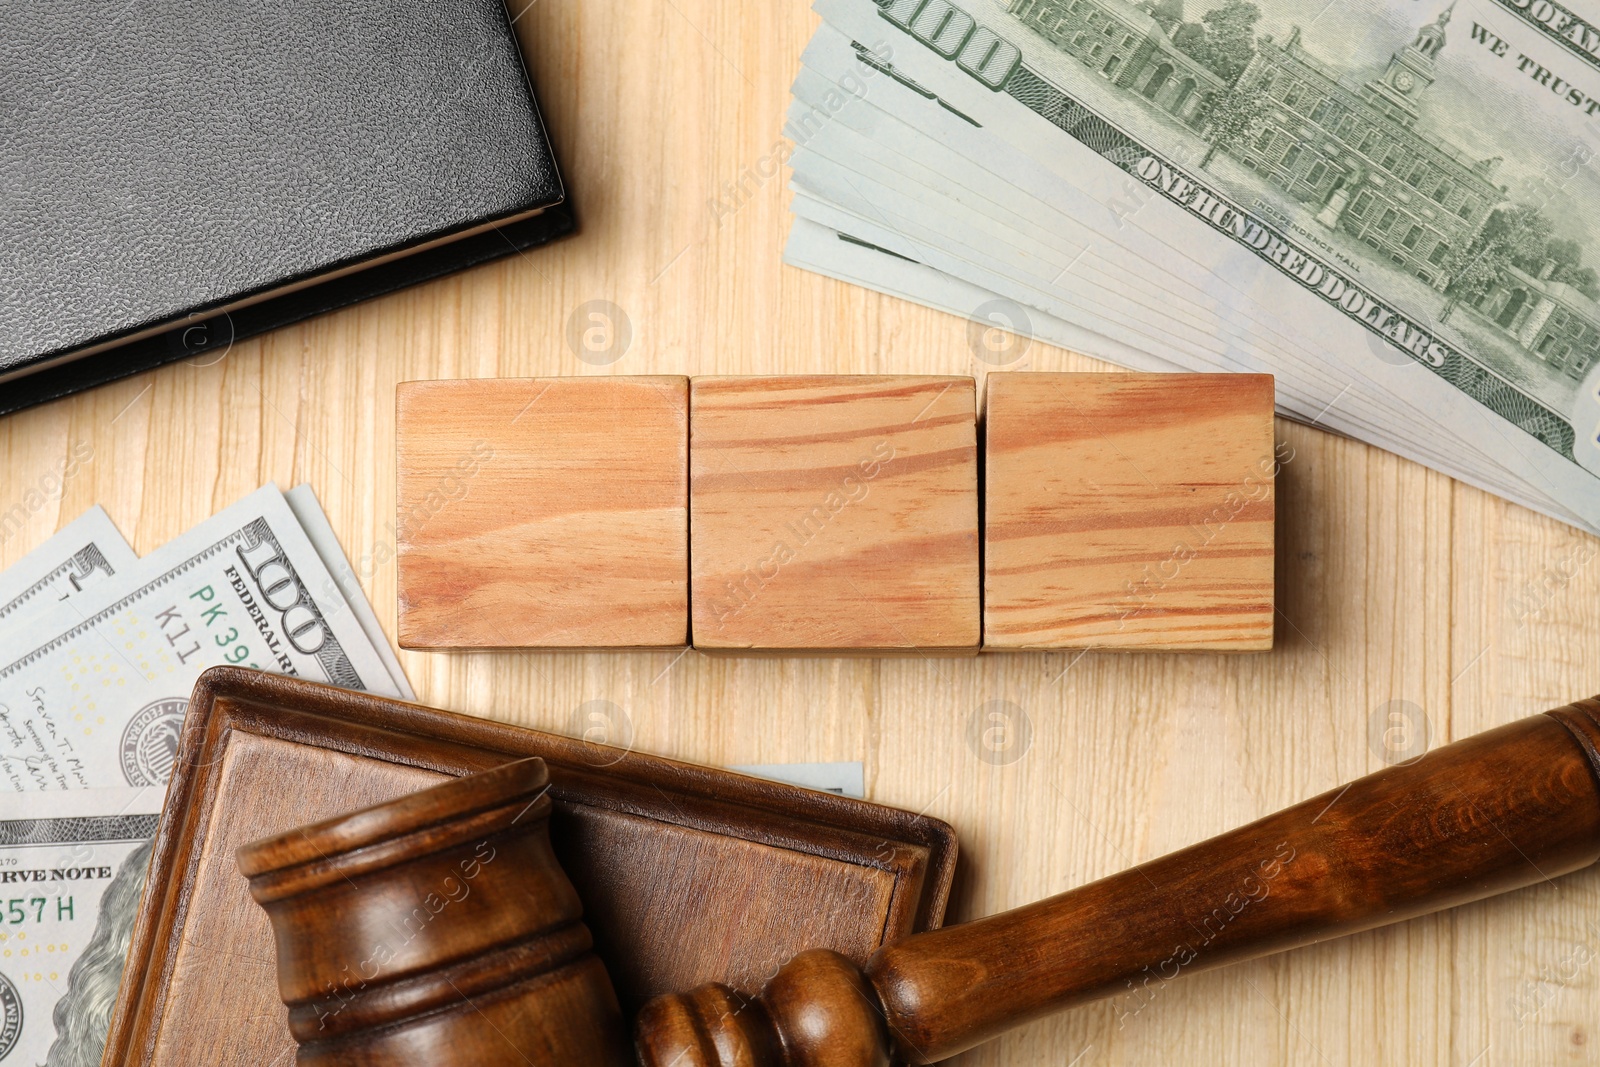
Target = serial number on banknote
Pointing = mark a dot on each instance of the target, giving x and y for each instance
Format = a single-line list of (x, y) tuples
[(20, 911)]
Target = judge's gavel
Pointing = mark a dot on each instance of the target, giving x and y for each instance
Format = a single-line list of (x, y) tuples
[(1500, 810)]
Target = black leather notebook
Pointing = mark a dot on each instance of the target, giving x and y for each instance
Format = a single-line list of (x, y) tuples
[(179, 174)]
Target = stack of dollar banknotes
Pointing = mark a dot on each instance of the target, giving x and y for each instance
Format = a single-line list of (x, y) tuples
[(1388, 204), (100, 651)]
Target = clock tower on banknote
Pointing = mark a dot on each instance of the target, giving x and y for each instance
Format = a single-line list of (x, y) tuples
[(1410, 71)]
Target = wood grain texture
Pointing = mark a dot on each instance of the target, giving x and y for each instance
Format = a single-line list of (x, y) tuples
[(694, 873), (834, 512), (686, 874), (1128, 511), (543, 512), (1502, 810), (1396, 587), (258, 1024)]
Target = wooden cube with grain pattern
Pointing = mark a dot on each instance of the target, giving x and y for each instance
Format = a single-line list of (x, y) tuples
[(834, 513), (543, 513), (1129, 511)]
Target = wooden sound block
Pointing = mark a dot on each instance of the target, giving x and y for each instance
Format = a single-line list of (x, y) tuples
[(543, 512), (834, 513), (1129, 511), (687, 874)]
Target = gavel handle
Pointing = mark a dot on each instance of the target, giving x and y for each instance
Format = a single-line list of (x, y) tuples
[(1497, 811)]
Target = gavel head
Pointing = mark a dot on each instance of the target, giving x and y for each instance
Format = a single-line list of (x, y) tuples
[(438, 929), (817, 1011)]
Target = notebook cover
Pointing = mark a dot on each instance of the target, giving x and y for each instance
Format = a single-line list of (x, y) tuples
[(167, 158)]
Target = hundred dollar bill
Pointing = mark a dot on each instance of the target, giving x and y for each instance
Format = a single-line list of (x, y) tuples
[(1399, 180), (1344, 386), (854, 159), (86, 551), (313, 520), (72, 867), (857, 158), (95, 693), (933, 203)]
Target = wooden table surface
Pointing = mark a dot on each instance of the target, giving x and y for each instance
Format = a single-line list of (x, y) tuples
[(1394, 583)]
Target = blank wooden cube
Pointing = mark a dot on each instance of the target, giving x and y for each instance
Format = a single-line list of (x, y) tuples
[(543, 512), (1128, 511), (834, 513)]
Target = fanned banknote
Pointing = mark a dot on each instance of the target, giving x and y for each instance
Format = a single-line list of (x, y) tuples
[(72, 867), (1389, 204), (102, 649), (83, 553), (93, 692)]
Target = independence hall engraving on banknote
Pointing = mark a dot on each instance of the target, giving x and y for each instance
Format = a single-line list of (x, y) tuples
[(1412, 196), (1350, 150)]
